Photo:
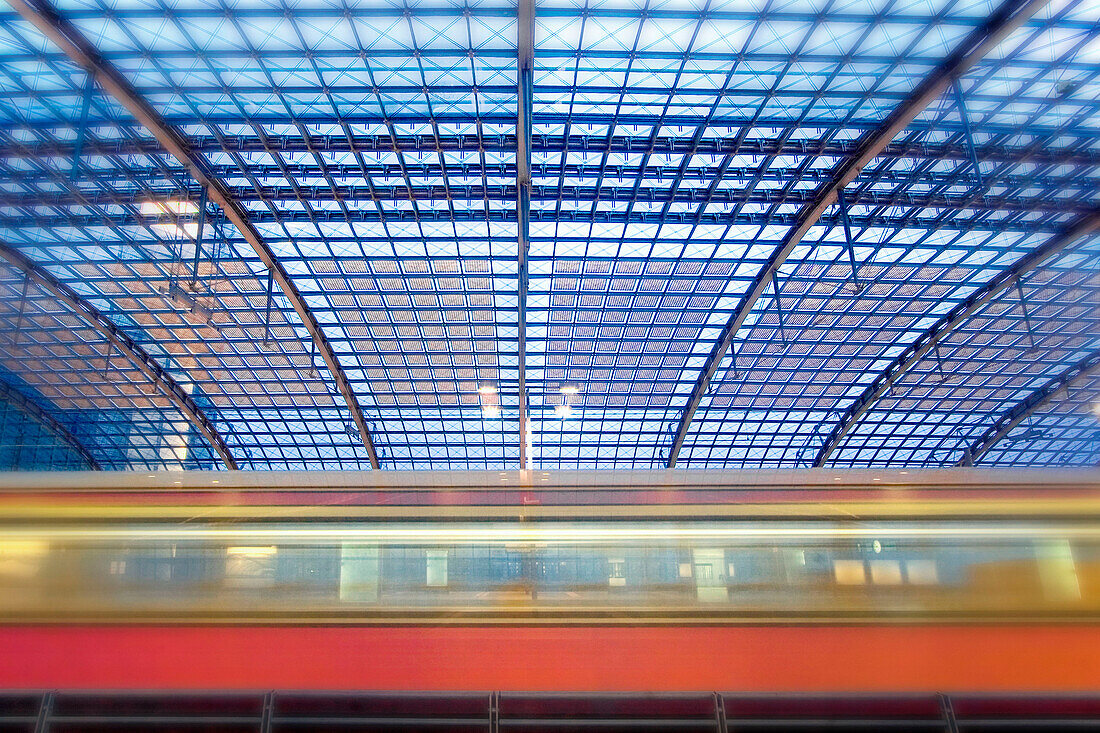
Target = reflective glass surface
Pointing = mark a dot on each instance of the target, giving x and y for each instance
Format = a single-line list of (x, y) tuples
[(673, 148)]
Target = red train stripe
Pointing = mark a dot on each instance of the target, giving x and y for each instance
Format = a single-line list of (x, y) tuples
[(590, 658)]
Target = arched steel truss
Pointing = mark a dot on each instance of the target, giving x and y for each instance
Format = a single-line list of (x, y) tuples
[(998, 431), (132, 350), (1007, 18), (76, 46), (32, 409), (926, 342)]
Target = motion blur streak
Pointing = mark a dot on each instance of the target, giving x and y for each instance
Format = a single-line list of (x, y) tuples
[(929, 584), (867, 658)]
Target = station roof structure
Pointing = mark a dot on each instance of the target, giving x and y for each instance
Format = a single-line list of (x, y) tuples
[(575, 234)]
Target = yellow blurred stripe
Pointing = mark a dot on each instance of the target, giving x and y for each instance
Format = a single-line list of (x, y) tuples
[(1073, 507)]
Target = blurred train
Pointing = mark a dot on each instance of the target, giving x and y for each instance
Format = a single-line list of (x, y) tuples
[(676, 566), (623, 572)]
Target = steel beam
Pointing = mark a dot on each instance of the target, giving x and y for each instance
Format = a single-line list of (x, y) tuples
[(968, 222), (33, 410), (525, 50), (842, 204), (49, 21), (977, 44), (132, 350), (992, 152), (82, 131), (938, 331), (1027, 407), (475, 194), (960, 104)]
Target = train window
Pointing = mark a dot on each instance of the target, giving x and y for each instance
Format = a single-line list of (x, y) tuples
[(922, 572), (436, 568), (250, 567), (616, 571), (849, 572), (886, 572)]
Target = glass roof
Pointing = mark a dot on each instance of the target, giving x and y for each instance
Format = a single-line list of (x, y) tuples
[(673, 146)]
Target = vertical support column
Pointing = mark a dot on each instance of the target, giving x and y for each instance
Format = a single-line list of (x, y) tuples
[(266, 720), (951, 724), (939, 362), (267, 308), (1027, 315), (720, 724), (494, 712), (20, 439), (198, 241), (779, 309), (526, 57), (22, 308), (45, 709)]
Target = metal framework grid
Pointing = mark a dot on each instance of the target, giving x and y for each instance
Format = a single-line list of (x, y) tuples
[(583, 261), (491, 712)]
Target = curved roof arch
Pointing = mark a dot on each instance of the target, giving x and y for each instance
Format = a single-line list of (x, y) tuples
[(128, 348), (928, 341), (55, 432), (976, 44), (1034, 402), (101, 71), (551, 290)]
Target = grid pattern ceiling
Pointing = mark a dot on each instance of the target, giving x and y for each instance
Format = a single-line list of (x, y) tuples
[(673, 146)]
